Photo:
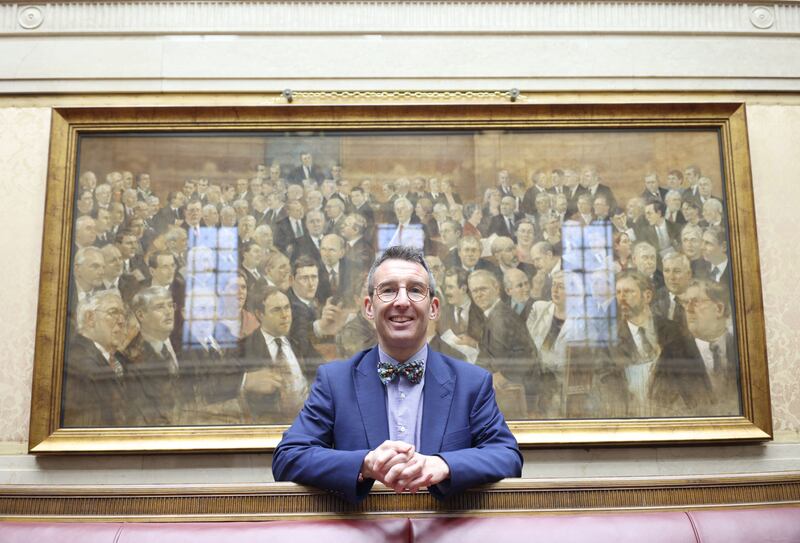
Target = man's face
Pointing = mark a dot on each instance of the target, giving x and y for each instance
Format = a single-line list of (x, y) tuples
[(556, 180), (247, 225), (584, 206), (137, 227), (645, 260), (349, 230), (631, 301), (437, 269), (128, 246), (571, 179), (315, 224), (484, 291), (252, 258), (401, 324), (113, 262), (674, 182), (561, 203), (129, 198), (227, 216), (255, 186), (107, 326), (711, 212), (620, 220), (507, 254), (449, 234), (330, 250), (188, 188), (470, 253), (634, 208), (90, 272), (651, 183), (314, 199), (277, 318), (193, 213), (242, 185), (690, 213), (588, 177), (333, 209), (690, 174), (144, 181), (653, 217), (507, 205), (103, 221), (306, 281), (86, 203), (704, 187), (525, 234), (454, 294), (117, 214), (713, 251), (280, 273), (601, 208), (403, 211), (103, 195), (307, 160), (540, 259), (692, 245), (517, 286), (164, 273), (263, 236), (88, 181), (677, 275), (295, 209), (558, 292), (542, 203), (158, 318), (702, 314), (502, 178), (275, 172), (418, 185), (674, 202), (85, 232), (357, 197), (211, 216)]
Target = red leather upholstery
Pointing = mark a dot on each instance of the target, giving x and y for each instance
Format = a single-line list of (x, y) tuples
[(612, 528), (318, 531), (59, 532), (766, 525), (748, 526)]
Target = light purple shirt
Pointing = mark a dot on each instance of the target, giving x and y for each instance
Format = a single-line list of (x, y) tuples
[(404, 402)]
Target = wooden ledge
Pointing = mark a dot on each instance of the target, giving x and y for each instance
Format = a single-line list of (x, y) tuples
[(286, 501)]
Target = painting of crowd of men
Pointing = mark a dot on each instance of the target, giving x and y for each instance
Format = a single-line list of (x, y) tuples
[(216, 303)]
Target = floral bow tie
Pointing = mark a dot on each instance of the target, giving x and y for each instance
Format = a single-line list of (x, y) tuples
[(411, 370)]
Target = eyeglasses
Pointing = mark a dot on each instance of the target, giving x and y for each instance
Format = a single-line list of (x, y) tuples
[(415, 293)]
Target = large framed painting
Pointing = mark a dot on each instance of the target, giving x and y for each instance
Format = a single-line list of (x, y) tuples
[(200, 264)]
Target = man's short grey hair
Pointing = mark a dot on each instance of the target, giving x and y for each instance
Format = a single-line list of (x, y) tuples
[(92, 303), (208, 208), (714, 204), (477, 274), (403, 202), (501, 242), (83, 254), (83, 219), (672, 194), (405, 253), (142, 299), (692, 229), (261, 228), (674, 255)]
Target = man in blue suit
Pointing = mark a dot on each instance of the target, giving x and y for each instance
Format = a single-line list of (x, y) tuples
[(399, 413)]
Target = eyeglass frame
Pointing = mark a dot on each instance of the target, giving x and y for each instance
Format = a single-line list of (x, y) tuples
[(428, 293)]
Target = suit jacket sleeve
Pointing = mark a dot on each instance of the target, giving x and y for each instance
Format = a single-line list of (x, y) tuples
[(484, 452), (306, 455)]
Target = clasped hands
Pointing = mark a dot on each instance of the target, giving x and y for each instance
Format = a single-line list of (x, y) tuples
[(397, 465)]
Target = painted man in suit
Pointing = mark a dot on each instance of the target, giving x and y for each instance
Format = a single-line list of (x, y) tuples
[(278, 367), (95, 391), (708, 310), (399, 413)]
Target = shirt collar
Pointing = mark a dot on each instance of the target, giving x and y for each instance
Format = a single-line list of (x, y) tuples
[(422, 355)]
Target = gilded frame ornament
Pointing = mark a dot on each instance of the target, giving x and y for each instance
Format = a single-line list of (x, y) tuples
[(727, 120)]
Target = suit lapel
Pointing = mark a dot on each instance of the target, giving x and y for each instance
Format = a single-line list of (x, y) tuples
[(371, 398), (437, 398)]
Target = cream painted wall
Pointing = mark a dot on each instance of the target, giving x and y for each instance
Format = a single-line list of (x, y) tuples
[(774, 139)]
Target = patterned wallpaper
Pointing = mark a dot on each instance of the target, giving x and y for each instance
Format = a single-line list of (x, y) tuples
[(24, 135), (774, 139)]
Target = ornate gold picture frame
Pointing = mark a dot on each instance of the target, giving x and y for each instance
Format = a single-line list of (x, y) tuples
[(600, 260)]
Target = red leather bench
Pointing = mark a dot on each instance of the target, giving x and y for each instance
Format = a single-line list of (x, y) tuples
[(763, 525)]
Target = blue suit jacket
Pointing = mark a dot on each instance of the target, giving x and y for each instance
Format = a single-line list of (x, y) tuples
[(345, 417)]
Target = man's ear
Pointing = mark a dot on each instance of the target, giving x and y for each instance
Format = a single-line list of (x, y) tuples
[(368, 309), (434, 309)]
